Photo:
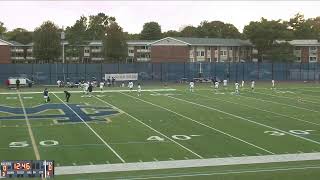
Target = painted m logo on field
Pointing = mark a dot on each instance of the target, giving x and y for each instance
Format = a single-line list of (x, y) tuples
[(66, 114)]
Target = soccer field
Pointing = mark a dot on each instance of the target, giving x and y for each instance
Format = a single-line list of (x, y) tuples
[(167, 132)]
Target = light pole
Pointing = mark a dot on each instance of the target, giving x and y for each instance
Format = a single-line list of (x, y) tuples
[(62, 40)]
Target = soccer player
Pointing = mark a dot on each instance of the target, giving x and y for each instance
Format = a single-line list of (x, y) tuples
[(17, 84), (85, 88), (225, 83), (67, 95), (59, 83), (237, 88), (90, 88), (130, 85), (273, 87), (252, 85), (242, 83), (191, 86), (101, 85), (46, 95), (216, 85), (139, 89)]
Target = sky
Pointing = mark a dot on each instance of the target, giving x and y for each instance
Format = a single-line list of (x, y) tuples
[(171, 15)]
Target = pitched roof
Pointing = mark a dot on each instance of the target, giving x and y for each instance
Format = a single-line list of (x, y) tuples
[(3, 42), (301, 42), (214, 41), (140, 42)]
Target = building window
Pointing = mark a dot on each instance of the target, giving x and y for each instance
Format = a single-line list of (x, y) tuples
[(131, 51), (312, 48), (223, 53), (202, 53), (191, 60), (312, 59), (209, 59), (209, 48), (198, 53), (298, 59), (297, 48)]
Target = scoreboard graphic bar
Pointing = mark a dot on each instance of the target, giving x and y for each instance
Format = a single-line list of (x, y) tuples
[(27, 168)]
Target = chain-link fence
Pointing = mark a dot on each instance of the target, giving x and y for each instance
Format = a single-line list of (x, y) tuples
[(50, 73)]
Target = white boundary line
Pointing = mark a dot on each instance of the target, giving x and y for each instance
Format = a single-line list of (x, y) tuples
[(104, 142), (279, 114), (317, 103), (119, 90), (120, 167), (217, 130), (245, 119), (33, 141), (226, 172), (280, 103), (189, 150)]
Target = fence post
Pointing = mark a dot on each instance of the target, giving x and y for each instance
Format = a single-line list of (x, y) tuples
[(101, 72), (184, 70), (258, 70), (272, 71), (300, 71), (161, 71), (242, 71), (50, 73)]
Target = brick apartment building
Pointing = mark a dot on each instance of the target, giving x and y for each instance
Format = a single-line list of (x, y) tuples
[(5, 56), (305, 51), (88, 52), (185, 49)]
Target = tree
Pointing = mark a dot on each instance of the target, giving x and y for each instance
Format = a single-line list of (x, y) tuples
[(281, 52), (2, 29), (19, 35), (47, 42), (218, 29), (97, 26), (115, 45), (77, 33), (189, 31), (171, 33), (151, 31), (263, 33)]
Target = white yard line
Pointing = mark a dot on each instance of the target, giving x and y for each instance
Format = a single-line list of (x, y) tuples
[(245, 119), (120, 167), (279, 114), (189, 150), (280, 103), (119, 90), (217, 130), (286, 97), (103, 141), (33, 141)]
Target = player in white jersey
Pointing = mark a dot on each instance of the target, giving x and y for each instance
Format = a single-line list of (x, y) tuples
[(130, 85), (237, 88), (85, 88), (101, 85), (191, 86), (139, 89), (252, 85), (273, 86), (242, 83), (225, 83), (216, 85)]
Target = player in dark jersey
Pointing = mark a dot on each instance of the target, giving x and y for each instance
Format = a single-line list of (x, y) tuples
[(46, 95), (67, 95), (17, 83)]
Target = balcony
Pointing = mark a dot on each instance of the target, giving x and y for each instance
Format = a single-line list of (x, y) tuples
[(17, 58), (97, 59), (143, 59), (95, 50), (17, 50), (30, 58), (143, 50)]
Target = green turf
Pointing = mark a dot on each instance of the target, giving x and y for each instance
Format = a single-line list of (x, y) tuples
[(175, 125)]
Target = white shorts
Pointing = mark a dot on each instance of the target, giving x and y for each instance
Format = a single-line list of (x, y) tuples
[(46, 97)]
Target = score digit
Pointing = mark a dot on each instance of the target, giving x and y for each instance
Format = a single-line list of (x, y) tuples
[(4, 168)]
